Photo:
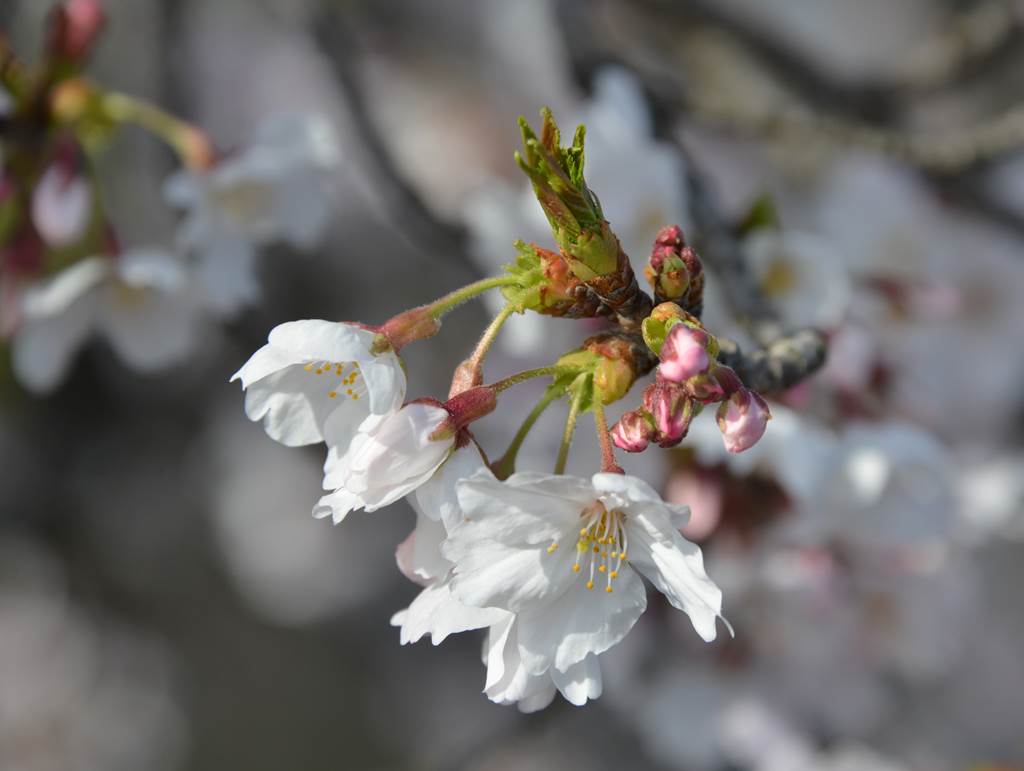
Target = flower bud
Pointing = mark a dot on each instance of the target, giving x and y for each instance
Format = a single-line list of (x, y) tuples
[(633, 431), (674, 270), (742, 419), (705, 388), (74, 27), (671, 409), (685, 353)]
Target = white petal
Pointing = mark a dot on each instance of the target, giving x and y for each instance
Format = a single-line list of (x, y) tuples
[(581, 621), (419, 556), (345, 439), (336, 505), (579, 682), (318, 340), (437, 497), (436, 613), (225, 273), (491, 574), (627, 486), (500, 657), (508, 682), (540, 693), (266, 361), (61, 206), (58, 317), (519, 512), (676, 567), (400, 448), (294, 406), (148, 328), (55, 296), (385, 382)]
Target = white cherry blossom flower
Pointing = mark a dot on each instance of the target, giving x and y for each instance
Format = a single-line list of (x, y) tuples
[(566, 556), (276, 188), (387, 458), (437, 613), (802, 274), (140, 302), (313, 370), (886, 486)]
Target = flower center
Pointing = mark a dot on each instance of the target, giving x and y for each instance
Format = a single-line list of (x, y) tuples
[(342, 378), (245, 203), (601, 546)]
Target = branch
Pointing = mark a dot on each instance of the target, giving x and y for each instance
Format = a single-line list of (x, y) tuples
[(779, 365), (782, 360)]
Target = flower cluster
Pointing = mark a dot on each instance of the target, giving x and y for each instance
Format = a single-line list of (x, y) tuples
[(689, 377), (64, 273), (550, 565)]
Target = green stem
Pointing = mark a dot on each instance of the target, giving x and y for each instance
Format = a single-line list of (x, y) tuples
[(452, 300), (489, 336), (581, 386), (186, 140), (552, 371), (504, 467), (604, 438)]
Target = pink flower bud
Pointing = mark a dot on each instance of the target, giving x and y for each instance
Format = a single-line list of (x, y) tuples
[(672, 410), (633, 431), (684, 354), (74, 27), (670, 235), (742, 419), (705, 389)]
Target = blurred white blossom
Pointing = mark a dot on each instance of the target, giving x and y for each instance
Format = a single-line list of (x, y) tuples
[(140, 302)]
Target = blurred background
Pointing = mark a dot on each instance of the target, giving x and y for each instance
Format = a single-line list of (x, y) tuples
[(168, 602)]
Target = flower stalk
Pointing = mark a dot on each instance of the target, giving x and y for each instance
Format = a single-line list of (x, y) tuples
[(580, 387), (505, 466), (191, 144)]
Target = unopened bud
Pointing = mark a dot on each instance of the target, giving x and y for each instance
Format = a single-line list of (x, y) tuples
[(727, 379), (674, 270), (74, 27), (633, 431), (705, 388), (405, 328), (671, 409), (742, 419), (685, 353)]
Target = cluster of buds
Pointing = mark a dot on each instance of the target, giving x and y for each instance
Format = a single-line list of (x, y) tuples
[(689, 377), (674, 271)]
